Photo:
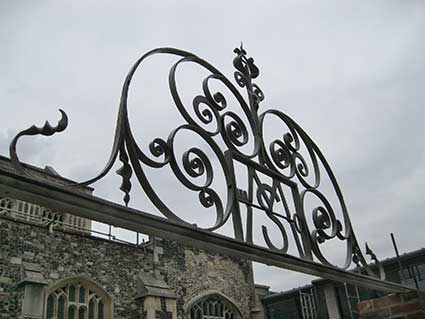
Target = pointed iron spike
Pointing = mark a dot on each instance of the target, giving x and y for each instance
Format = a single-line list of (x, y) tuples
[(368, 250), (126, 199)]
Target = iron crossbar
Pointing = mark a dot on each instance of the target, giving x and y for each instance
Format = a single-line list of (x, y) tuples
[(61, 198)]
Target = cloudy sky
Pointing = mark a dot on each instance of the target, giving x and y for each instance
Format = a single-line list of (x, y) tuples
[(351, 73)]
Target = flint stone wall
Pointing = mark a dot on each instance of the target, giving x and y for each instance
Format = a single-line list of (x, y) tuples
[(117, 267), (193, 272)]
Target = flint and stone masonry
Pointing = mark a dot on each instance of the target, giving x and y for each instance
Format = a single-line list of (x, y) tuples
[(158, 279)]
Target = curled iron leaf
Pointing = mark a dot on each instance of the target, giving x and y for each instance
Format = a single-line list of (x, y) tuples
[(47, 129)]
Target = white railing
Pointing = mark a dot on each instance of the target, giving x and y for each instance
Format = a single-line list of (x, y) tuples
[(23, 211)]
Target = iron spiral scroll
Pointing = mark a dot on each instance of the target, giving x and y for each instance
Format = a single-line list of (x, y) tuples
[(281, 159)]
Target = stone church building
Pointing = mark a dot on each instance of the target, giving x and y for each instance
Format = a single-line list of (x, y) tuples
[(51, 266)]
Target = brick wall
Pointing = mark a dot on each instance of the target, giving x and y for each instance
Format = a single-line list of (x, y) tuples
[(396, 306)]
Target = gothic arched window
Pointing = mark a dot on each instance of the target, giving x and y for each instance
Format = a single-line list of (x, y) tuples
[(213, 306), (78, 298)]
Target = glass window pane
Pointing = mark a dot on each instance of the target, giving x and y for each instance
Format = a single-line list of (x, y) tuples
[(82, 294), (72, 293), (199, 314), (91, 309), (100, 310), (61, 307), (50, 307), (217, 308), (81, 313), (71, 312)]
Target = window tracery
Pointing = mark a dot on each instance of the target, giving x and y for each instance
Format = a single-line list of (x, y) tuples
[(78, 299), (213, 306)]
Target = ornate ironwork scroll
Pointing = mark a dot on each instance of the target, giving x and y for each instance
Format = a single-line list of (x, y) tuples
[(294, 165)]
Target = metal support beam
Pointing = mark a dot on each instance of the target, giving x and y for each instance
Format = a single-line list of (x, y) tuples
[(66, 199)]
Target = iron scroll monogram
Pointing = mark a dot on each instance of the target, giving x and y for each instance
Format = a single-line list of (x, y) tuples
[(292, 162)]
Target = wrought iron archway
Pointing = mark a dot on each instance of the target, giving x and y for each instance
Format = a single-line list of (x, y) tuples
[(281, 160)]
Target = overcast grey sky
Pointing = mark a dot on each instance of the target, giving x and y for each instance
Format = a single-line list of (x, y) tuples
[(352, 73)]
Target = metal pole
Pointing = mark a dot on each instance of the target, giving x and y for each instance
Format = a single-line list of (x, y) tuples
[(403, 279), (302, 303), (414, 278)]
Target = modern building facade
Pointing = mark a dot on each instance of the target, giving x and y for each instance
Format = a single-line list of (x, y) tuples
[(325, 299)]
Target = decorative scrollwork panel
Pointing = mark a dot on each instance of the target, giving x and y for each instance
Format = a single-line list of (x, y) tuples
[(293, 164)]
